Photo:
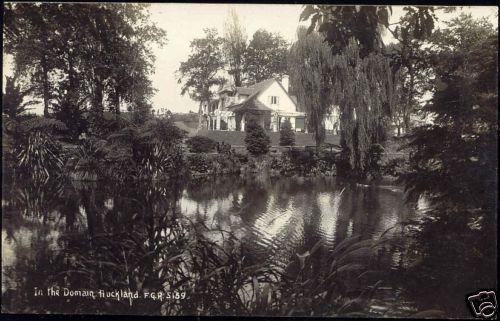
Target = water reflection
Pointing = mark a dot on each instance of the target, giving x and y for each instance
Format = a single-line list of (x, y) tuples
[(85, 235)]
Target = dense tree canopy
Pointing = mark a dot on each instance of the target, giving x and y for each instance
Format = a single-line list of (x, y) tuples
[(409, 60), (453, 161), (464, 105), (83, 57), (265, 57), (200, 73), (341, 23)]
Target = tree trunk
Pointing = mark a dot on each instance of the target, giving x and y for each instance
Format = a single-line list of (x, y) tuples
[(45, 70), (117, 101), (45, 80), (200, 115), (237, 78), (411, 98), (98, 96), (73, 88)]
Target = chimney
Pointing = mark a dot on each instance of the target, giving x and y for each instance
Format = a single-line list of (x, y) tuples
[(285, 82)]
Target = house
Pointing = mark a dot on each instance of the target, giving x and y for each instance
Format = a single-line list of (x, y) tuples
[(267, 102)]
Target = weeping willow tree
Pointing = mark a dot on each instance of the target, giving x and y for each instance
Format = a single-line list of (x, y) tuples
[(310, 68), (364, 88)]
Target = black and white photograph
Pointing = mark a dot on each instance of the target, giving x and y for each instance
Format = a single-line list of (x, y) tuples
[(246, 159)]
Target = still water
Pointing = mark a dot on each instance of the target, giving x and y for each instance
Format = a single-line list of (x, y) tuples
[(91, 236)]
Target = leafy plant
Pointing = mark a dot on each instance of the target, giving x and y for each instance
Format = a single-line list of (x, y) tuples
[(37, 152), (87, 160)]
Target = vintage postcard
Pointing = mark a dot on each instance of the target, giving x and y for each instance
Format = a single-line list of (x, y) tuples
[(186, 159)]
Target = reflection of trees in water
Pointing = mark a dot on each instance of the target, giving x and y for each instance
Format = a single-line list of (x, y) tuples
[(34, 198), (133, 241), (120, 248), (254, 200), (212, 188), (359, 212), (133, 238)]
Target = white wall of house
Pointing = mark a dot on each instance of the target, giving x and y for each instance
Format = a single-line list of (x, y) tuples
[(284, 102), (332, 120)]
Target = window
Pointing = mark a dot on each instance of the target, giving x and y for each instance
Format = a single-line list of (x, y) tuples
[(274, 100)]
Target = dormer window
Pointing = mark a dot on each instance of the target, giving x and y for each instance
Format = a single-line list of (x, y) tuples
[(274, 100)]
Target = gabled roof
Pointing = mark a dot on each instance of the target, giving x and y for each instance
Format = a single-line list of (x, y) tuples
[(251, 102), (250, 105), (255, 88)]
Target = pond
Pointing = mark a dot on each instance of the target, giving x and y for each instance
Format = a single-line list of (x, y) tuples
[(202, 244)]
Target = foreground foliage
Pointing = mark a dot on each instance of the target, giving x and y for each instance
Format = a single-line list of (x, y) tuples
[(457, 172)]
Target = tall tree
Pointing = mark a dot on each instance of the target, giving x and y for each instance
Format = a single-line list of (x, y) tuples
[(465, 104), (363, 84), (365, 91), (28, 30), (409, 59), (265, 56), (97, 54), (341, 23), (310, 69), (453, 161), (235, 44), (200, 73)]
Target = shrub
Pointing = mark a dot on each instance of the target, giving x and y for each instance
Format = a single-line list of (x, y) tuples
[(256, 140), (223, 148), (198, 163), (152, 149), (201, 144), (287, 136)]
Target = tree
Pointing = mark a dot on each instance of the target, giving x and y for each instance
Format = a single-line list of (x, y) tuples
[(464, 103), (310, 68), (256, 140), (287, 135), (365, 91), (362, 82), (265, 57), (82, 56), (341, 23), (28, 30), (235, 44), (200, 72), (453, 161), (409, 60)]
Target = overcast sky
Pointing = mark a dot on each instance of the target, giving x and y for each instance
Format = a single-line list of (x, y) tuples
[(184, 22)]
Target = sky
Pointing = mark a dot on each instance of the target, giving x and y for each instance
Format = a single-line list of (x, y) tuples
[(185, 22)]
